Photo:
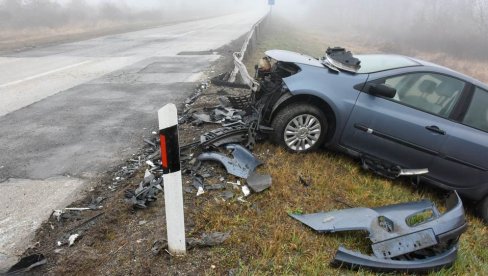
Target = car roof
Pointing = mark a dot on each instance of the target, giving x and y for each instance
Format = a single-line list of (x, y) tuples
[(382, 62), (385, 62)]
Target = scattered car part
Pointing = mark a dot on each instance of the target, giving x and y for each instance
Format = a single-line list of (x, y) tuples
[(242, 165), (338, 58), (258, 182), (225, 135), (146, 192), (227, 195), (198, 182), (397, 230), (72, 239), (158, 246), (388, 169), (356, 260), (27, 263), (208, 240), (245, 191), (214, 187)]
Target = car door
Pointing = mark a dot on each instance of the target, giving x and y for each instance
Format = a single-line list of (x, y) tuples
[(463, 162), (407, 130)]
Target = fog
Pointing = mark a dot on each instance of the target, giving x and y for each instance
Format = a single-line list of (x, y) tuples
[(21, 14), (452, 26)]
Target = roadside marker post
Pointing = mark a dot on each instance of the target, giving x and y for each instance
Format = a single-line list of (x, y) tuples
[(173, 190)]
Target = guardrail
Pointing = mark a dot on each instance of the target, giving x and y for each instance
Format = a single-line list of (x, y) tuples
[(239, 56)]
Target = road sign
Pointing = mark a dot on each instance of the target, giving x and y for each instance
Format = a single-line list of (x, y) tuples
[(173, 190), (271, 2)]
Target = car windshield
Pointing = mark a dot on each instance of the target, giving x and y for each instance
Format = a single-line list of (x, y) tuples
[(377, 63)]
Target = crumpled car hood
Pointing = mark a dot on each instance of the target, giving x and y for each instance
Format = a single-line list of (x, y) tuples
[(288, 56)]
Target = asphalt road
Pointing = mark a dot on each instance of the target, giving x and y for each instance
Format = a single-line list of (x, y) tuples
[(69, 112)]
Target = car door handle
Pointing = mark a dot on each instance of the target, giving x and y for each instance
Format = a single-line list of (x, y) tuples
[(436, 129)]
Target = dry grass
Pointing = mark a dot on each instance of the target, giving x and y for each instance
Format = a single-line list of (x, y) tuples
[(266, 241)]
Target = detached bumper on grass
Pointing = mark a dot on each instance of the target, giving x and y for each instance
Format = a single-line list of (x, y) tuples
[(411, 236)]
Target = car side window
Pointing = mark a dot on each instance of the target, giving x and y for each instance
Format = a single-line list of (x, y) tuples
[(430, 92), (477, 114)]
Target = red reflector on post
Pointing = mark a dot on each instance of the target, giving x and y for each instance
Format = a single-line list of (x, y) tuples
[(164, 153)]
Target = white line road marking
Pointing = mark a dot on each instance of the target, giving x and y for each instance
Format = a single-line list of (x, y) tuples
[(44, 74)]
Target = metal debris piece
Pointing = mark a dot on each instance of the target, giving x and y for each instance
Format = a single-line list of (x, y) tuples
[(198, 182), (258, 182), (150, 142), (150, 163), (388, 169), (72, 239), (145, 193), (227, 195), (398, 232), (203, 117), (236, 185), (27, 263), (208, 240), (226, 135), (58, 214), (200, 191), (158, 246), (242, 165), (245, 191), (214, 187), (148, 177)]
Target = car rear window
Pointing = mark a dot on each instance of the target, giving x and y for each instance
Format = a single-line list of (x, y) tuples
[(377, 63), (477, 115)]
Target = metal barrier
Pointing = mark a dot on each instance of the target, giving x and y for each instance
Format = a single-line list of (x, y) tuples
[(239, 56)]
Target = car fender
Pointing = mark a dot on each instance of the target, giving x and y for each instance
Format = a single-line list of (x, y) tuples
[(334, 89)]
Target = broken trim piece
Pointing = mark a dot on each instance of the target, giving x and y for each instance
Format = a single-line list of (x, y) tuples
[(242, 165), (398, 232), (356, 260)]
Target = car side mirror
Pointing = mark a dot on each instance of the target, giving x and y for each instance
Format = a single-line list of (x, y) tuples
[(382, 90)]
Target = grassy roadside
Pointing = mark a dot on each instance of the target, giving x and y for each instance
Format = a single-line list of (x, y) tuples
[(266, 241)]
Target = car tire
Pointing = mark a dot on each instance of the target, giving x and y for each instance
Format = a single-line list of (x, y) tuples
[(300, 128), (482, 209)]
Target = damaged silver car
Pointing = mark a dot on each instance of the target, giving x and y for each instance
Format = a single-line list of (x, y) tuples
[(397, 114)]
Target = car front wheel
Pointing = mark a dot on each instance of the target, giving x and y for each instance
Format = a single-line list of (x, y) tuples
[(300, 128)]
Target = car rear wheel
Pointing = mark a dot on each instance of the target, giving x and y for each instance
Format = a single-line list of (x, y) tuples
[(483, 209), (300, 128)]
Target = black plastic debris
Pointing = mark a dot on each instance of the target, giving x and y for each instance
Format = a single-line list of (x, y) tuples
[(27, 263), (226, 135), (146, 192)]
